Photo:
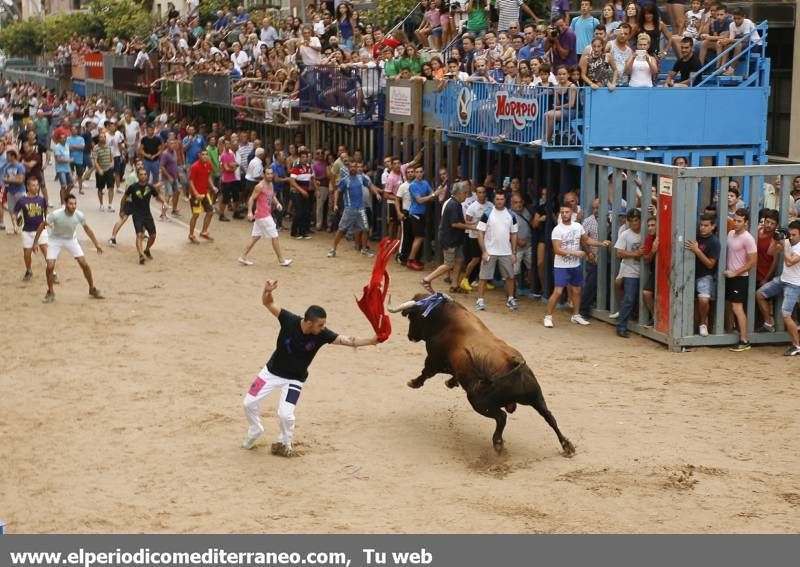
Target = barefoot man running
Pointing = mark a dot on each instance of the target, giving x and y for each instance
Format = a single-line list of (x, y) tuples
[(287, 369)]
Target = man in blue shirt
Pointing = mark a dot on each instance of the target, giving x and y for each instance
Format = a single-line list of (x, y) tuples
[(421, 195), (63, 159), (77, 145), (14, 182), (193, 144), (584, 25), (354, 215)]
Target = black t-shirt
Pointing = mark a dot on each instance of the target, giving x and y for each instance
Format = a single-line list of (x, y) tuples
[(150, 145), (710, 247), (452, 212), (139, 196), (294, 351), (684, 69)]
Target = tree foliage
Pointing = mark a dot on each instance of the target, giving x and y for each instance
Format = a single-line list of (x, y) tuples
[(122, 18)]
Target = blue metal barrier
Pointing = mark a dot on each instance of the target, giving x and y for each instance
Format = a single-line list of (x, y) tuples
[(354, 93)]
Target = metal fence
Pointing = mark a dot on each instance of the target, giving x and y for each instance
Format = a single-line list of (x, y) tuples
[(264, 101), (521, 114), (353, 93), (212, 89), (679, 196)]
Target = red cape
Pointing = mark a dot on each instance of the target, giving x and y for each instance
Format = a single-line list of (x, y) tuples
[(374, 298)]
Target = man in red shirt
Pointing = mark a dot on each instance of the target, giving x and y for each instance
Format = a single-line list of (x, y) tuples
[(62, 130), (767, 256), (199, 183)]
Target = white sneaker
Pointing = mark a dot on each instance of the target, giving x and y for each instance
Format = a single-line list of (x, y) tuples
[(250, 441), (245, 261), (548, 321), (702, 330), (287, 262), (331, 253), (578, 319), (536, 142), (480, 305), (614, 315)]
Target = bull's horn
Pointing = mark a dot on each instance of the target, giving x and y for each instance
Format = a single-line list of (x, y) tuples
[(406, 305)]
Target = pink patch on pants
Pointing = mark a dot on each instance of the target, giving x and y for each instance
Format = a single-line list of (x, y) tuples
[(256, 386)]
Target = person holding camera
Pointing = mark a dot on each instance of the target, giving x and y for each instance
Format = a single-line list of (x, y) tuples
[(787, 283), (562, 42)]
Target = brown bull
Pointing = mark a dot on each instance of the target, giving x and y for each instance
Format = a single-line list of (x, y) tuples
[(493, 374)]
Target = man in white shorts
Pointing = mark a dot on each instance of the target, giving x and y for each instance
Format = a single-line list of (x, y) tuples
[(263, 196), (297, 344), (63, 224), (32, 207), (497, 238)]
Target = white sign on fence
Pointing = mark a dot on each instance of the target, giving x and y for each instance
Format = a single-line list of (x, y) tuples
[(400, 101)]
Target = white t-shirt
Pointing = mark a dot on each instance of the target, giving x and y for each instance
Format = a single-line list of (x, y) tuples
[(132, 130), (630, 242), (64, 225), (114, 142), (475, 211), (791, 274), (309, 55), (693, 22), (570, 237), (404, 195), (747, 27), (240, 60), (498, 226)]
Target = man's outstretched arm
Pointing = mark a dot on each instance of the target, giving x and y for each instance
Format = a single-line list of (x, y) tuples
[(355, 342), (268, 300)]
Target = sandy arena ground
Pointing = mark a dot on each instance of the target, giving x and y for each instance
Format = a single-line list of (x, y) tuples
[(124, 415)]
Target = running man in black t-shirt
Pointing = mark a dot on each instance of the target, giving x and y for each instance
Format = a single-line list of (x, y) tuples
[(298, 342), (138, 195)]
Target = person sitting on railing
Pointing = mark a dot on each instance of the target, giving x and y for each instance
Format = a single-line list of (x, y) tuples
[(686, 67), (598, 69), (562, 100), (717, 29), (740, 27), (641, 66)]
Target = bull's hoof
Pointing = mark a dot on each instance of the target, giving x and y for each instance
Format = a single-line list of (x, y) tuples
[(498, 446), (416, 383), (451, 383), (569, 448)]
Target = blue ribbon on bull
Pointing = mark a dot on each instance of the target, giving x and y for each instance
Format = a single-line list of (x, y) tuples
[(431, 302)]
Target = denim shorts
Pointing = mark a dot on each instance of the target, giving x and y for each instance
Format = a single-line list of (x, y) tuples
[(791, 293), (64, 179), (705, 287)]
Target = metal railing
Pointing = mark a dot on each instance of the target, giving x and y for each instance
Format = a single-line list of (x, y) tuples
[(264, 101), (349, 92), (679, 200), (214, 89), (746, 47), (520, 114)]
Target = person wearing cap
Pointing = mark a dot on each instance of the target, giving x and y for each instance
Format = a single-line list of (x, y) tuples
[(629, 249)]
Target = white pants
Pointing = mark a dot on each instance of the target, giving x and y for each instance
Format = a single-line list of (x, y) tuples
[(56, 244), (261, 387)]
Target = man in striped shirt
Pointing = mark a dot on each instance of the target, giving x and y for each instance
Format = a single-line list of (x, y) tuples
[(301, 196), (508, 13)]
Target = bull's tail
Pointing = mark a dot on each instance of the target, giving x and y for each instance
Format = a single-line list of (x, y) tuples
[(484, 374)]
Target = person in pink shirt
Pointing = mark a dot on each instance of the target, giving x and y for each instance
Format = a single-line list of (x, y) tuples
[(230, 180), (742, 255), (263, 196), (397, 175)]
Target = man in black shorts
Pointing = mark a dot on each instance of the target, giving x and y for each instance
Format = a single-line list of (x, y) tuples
[(139, 194), (298, 342)]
